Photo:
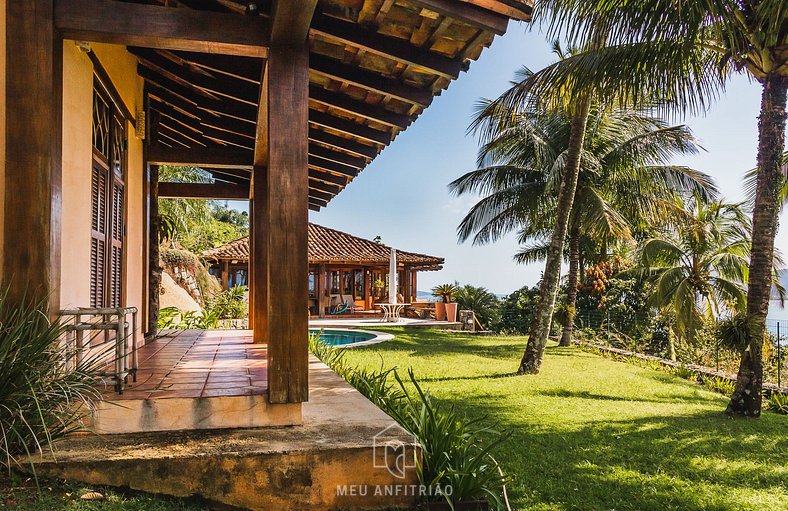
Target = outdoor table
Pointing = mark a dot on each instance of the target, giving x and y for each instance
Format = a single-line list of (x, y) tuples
[(391, 311)]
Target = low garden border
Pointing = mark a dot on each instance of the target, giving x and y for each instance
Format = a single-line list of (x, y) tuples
[(699, 370)]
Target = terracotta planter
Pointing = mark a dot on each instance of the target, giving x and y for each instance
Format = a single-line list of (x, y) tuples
[(440, 311), (451, 312), (467, 505)]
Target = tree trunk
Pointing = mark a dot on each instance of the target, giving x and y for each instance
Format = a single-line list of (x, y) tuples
[(672, 345), (540, 325), (746, 399), (571, 287)]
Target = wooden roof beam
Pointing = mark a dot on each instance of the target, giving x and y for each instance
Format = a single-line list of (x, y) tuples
[(345, 144), (200, 157), (389, 47), (332, 166), (335, 70), (336, 156), (468, 13), (213, 191), (290, 20), (349, 127), (154, 26), (342, 102), (329, 179), (324, 187), (220, 87)]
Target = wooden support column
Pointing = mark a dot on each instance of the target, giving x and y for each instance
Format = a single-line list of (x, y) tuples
[(287, 80), (367, 290), (320, 290), (250, 275), (154, 269), (33, 197), (406, 285), (414, 285), (225, 269)]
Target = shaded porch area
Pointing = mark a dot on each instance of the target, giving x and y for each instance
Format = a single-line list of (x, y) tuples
[(198, 363), (195, 379), (341, 439)]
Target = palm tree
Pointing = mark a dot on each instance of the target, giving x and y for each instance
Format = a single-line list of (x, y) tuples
[(683, 53), (699, 267), (622, 175)]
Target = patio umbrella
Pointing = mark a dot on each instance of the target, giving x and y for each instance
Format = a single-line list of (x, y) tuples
[(393, 276)]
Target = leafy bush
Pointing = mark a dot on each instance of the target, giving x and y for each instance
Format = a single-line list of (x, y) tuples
[(40, 395), (778, 402), (229, 304), (733, 334), (455, 451), (717, 384), (482, 302)]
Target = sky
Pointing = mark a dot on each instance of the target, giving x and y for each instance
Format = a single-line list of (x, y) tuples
[(403, 198)]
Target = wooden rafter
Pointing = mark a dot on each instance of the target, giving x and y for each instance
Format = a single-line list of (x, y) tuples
[(155, 26), (368, 80), (388, 47)]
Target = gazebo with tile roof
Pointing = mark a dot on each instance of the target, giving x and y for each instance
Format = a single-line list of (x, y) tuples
[(341, 267)]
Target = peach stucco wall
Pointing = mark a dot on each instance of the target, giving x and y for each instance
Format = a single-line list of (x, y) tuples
[(2, 123), (77, 109)]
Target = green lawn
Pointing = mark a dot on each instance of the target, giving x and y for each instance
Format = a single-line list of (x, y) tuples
[(21, 494), (596, 434)]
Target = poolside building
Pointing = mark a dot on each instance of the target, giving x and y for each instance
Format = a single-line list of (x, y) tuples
[(342, 268)]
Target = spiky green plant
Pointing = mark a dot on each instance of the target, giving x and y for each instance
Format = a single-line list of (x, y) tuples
[(42, 398)]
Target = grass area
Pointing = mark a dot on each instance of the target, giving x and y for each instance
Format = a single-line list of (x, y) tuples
[(21, 494), (595, 434)]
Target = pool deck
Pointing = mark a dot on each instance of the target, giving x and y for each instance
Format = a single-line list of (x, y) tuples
[(376, 322)]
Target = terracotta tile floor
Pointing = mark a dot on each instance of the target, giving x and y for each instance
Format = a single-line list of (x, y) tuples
[(192, 363)]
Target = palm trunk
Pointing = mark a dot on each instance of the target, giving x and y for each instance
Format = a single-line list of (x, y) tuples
[(540, 326), (571, 284), (672, 344), (746, 399)]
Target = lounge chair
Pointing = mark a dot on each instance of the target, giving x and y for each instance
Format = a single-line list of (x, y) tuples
[(341, 309)]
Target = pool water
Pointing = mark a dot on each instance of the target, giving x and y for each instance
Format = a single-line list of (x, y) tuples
[(342, 337)]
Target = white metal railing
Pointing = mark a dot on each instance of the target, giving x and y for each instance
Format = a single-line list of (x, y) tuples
[(87, 319)]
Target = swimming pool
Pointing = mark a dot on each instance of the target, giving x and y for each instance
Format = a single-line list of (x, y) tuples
[(350, 338)]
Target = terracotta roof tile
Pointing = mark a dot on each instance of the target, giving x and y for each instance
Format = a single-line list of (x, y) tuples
[(332, 246)]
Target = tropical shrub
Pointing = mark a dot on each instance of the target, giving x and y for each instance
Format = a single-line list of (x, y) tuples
[(724, 386), (40, 395), (778, 402), (455, 451), (517, 310), (229, 304), (482, 302)]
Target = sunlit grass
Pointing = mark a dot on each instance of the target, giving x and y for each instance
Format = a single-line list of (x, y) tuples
[(593, 433)]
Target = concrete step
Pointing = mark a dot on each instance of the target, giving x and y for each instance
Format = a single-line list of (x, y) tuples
[(346, 454), (115, 416)]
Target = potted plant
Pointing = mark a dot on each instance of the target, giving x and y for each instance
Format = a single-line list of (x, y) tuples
[(446, 309)]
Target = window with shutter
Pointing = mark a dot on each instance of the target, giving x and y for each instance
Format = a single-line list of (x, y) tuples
[(108, 202)]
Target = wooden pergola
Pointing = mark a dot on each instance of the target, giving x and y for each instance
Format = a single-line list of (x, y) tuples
[(283, 101)]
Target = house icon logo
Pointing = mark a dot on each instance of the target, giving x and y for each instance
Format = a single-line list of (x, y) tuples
[(393, 454)]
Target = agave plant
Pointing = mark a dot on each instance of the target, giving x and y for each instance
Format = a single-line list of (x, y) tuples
[(42, 398)]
